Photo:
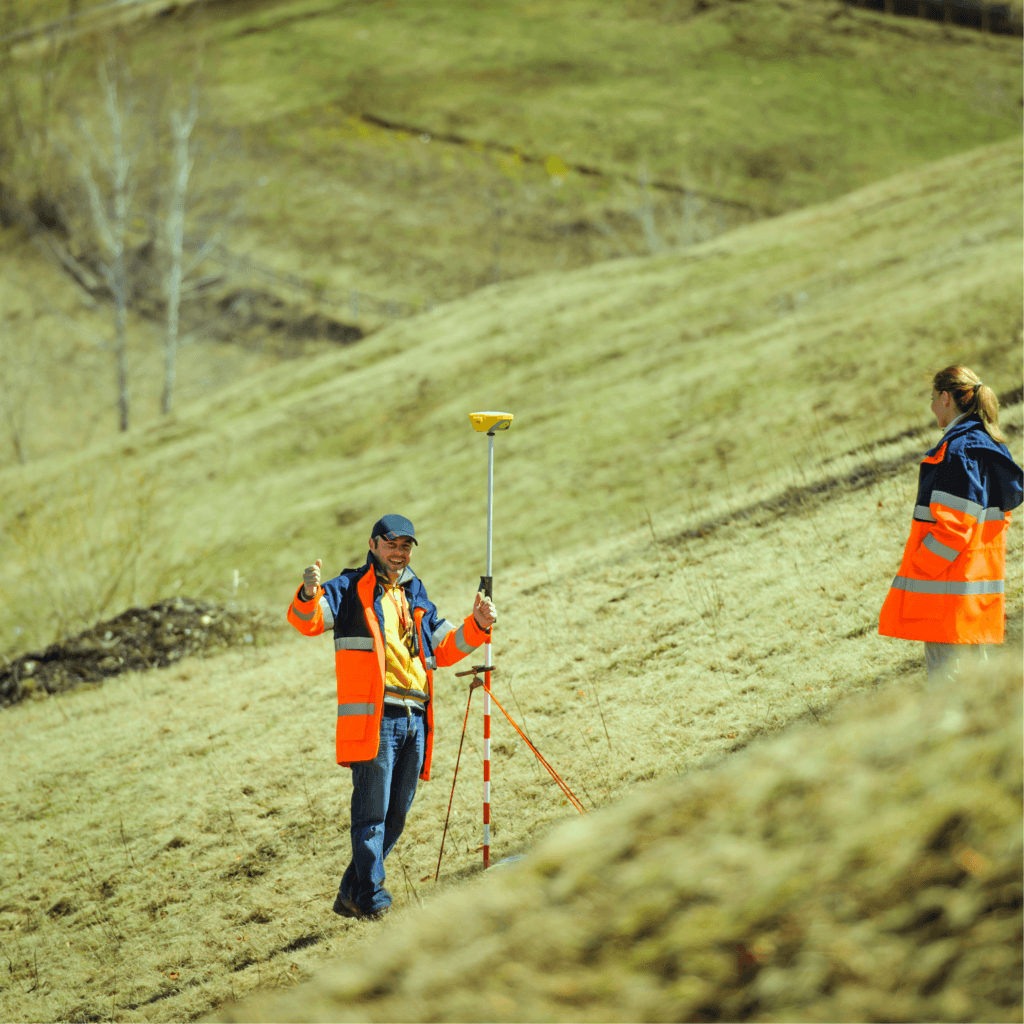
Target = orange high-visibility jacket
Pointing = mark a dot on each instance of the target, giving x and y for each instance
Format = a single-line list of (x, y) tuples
[(350, 604), (950, 587)]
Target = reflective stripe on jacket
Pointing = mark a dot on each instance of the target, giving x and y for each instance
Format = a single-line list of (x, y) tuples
[(350, 605), (950, 585)]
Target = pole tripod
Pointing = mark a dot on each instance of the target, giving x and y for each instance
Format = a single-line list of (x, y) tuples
[(489, 423), (559, 781)]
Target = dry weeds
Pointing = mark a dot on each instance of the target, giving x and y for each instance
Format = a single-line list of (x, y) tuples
[(868, 871), (175, 837), (678, 386)]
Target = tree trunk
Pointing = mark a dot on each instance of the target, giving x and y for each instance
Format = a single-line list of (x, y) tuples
[(121, 351), (181, 128), (121, 166), (170, 352), (112, 228)]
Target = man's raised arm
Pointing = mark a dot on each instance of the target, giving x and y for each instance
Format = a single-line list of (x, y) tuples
[(306, 612)]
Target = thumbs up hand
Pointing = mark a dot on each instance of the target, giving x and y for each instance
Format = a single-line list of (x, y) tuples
[(311, 580)]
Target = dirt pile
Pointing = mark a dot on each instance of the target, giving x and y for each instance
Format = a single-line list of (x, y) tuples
[(139, 638), (865, 871)]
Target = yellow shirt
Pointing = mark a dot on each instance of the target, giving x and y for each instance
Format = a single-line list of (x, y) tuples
[(405, 678)]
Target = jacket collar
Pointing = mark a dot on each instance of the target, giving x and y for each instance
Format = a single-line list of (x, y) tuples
[(975, 438), (973, 433)]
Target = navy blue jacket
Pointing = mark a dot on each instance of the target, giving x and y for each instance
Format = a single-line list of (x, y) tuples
[(346, 610), (977, 471)]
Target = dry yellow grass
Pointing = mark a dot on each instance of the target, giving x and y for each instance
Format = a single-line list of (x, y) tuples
[(172, 841), (868, 871)]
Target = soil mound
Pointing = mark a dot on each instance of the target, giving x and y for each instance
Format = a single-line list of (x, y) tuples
[(869, 870), (139, 638)]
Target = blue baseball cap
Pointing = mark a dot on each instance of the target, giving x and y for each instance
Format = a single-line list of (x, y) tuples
[(392, 527)]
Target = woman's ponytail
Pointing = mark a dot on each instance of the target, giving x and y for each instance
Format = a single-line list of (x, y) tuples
[(972, 397)]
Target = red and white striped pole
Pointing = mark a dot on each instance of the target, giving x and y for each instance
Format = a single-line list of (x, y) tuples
[(487, 766), (487, 658), (489, 422)]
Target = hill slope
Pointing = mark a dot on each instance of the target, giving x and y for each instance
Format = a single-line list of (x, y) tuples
[(560, 135), (172, 840), (869, 872), (670, 386)]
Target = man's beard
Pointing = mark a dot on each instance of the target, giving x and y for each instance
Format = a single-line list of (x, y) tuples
[(385, 568)]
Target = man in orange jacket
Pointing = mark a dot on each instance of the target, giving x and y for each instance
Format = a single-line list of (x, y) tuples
[(388, 639)]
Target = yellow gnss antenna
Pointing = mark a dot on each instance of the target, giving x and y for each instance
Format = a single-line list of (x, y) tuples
[(488, 422)]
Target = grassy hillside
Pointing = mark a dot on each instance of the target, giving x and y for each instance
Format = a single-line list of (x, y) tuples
[(669, 387), (869, 871), (736, 109), (698, 511), (173, 840), (774, 105)]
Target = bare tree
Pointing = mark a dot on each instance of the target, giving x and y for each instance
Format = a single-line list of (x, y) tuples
[(182, 125), (145, 175), (110, 207), (181, 255), (212, 207), (124, 192)]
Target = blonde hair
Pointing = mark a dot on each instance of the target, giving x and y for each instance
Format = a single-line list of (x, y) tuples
[(971, 397)]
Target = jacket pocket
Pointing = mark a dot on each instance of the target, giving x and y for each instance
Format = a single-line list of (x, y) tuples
[(359, 693)]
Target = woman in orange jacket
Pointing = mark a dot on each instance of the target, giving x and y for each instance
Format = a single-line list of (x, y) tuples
[(949, 591)]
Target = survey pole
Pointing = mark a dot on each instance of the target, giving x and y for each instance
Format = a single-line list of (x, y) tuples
[(488, 422)]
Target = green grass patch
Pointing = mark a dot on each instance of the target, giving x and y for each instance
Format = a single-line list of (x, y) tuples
[(770, 105), (777, 105), (667, 384)]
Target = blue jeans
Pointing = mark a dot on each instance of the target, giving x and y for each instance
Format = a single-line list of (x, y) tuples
[(382, 793)]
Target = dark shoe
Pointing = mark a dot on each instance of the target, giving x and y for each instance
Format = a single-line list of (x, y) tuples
[(346, 908), (349, 908)]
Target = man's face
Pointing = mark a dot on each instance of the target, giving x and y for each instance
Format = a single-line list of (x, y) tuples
[(394, 555)]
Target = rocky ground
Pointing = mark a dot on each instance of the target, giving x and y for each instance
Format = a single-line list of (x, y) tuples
[(139, 638)]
